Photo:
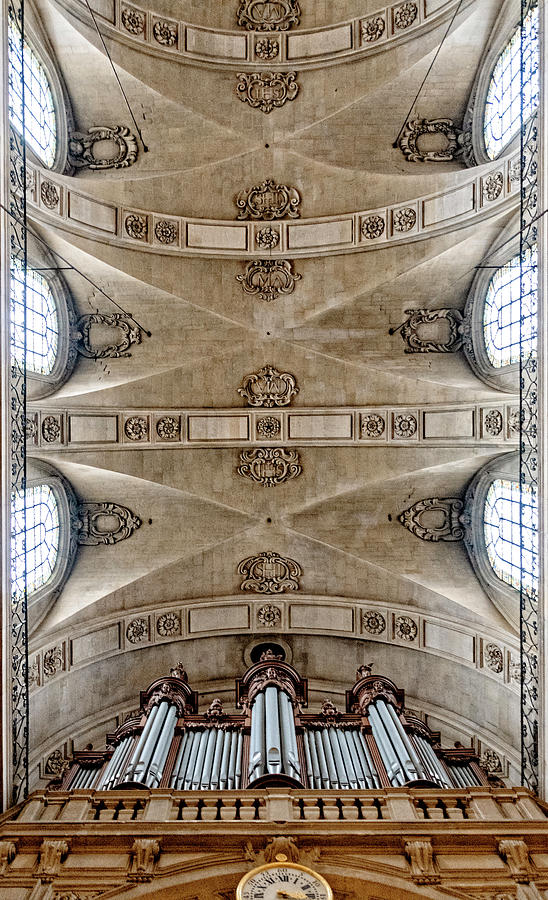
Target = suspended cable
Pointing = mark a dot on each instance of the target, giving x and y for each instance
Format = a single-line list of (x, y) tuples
[(75, 268), (145, 148), (430, 67)]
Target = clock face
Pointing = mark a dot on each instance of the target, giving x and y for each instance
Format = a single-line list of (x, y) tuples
[(280, 881)]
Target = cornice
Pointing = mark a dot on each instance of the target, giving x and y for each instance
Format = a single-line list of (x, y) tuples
[(300, 48), (59, 201)]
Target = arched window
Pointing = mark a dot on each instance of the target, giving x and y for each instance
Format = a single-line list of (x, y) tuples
[(35, 537), (33, 105), (35, 323), (502, 114), (510, 517), (506, 315)]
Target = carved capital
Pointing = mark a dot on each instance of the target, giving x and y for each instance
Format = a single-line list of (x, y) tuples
[(420, 856), (144, 856), (515, 854), (52, 855)]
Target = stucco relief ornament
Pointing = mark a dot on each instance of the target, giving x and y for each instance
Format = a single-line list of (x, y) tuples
[(53, 661), (133, 20), (49, 194), (215, 710), (268, 387), (411, 330), (372, 227), (51, 429), (269, 465), (268, 15), (268, 200), (168, 428), (268, 238), (405, 628), (269, 573), (104, 523), (494, 658), (405, 15), (373, 622), (166, 231), (491, 762), (56, 764), (137, 631), (137, 227), (415, 128), (168, 624), (269, 616), (268, 426), (130, 334), (83, 152), (429, 528), (372, 425), (405, 426), (31, 427), (267, 90), (165, 33), (373, 29), (404, 219), (329, 711), (514, 421), (136, 428), (492, 186), (269, 278), (492, 422), (267, 49)]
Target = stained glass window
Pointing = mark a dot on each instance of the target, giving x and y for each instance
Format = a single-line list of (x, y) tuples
[(512, 549), (39, 328), (502, 117), (35, 542), (39, 110), (506, 318)]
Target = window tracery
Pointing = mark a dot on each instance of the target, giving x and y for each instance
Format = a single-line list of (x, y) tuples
[(35, 522), (510, 321), (32, 109), (35, 321), (509, 543)]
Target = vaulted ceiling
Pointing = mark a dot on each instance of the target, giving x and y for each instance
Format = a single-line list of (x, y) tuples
[(338, 518)]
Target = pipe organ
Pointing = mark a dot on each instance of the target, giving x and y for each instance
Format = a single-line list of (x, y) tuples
[(273, 740)]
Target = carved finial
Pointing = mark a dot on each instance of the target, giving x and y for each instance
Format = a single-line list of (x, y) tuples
[(364, 670), (179, 672), (269, 654), (329, 710), (215, 711)]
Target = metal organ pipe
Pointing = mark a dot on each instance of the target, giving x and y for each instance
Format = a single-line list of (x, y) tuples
[(216, 765), (273, 736), (393, 766), (328, 752), (290, 756), (342, 776), (142, 739), (347, 750), (232, 762), (321, 759), (223, 774), (405, 739), (208, 758), (257, 739), (238, 770), (161, 750)]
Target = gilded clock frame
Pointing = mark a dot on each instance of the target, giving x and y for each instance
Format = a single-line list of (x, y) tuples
[(281, 864)]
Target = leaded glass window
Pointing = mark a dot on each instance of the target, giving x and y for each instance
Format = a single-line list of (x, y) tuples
[(502, 116), (507, 318), (35, 543), (35, 327), (40, 129), (510, 538)]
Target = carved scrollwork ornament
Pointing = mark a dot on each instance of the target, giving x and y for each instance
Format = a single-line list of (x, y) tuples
[(268, 200), (53, 661), (418, 318), (269, 278), (492, 186), (372, 29), (51, 429), (492, 422), (415, 128), (268, 15), (491, 762), (131, 333), (267, 90), (494, 658), (84, 148), (92, 529), (453, 524), (56, 765), (420, 856), (268, 387), (269, 573), (269, 466)]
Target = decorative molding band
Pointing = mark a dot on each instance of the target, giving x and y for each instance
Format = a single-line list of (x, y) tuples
[(308, 48), (309, 614), (267, 90), (61, 203), (464, 424), (83, 152)]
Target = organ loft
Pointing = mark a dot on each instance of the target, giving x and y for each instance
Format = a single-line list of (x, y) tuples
[(273, 450)]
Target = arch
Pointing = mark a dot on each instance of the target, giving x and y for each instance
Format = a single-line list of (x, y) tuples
[(47, 110), (497, 548), (492, 119), (45, 512), (496, 317), (43, 335)]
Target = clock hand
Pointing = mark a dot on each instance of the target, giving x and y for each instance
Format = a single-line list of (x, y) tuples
[(291, 895)]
